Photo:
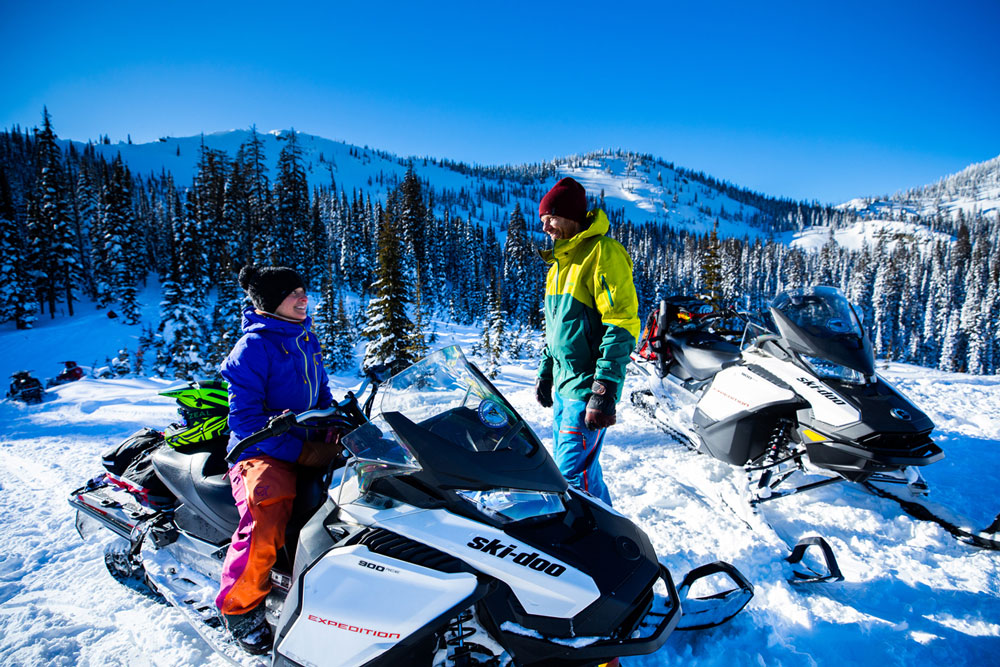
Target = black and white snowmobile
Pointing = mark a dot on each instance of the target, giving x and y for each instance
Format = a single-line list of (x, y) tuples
[(448, 538), (24, 387), (799, 396)]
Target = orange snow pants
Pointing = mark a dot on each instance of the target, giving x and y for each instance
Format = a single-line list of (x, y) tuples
[(264, 488)]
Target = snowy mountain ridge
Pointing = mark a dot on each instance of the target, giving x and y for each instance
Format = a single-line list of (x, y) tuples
[(636, 188), (971, 191)]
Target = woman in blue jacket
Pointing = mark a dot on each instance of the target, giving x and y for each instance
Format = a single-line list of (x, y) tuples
[(276, 366)]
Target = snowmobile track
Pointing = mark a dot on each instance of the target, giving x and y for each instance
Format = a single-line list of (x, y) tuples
[(922, 513)]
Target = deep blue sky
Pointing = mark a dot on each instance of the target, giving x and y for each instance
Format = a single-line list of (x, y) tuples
[(809, 100)]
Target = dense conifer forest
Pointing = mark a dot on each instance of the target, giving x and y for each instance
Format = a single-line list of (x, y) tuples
[(78, 230)]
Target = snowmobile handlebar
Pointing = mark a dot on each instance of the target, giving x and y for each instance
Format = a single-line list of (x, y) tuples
[(276, 426), (347, 413)]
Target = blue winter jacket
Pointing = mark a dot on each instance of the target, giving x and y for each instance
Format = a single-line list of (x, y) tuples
[(276, 366)]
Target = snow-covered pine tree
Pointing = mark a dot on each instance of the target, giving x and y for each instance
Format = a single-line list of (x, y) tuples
[(418, 341), (209, 187), (711, 265), (885, 301), (86, 218), (335, 330), (519, 289), (181, 325), (936, 308), (57, 258), (317, 239), (256, 195), (324, 315), (412, 224), (15, 286), (289, 238), (493, 339), (389, 328), (227, 318), (121, 241), (971, 321)]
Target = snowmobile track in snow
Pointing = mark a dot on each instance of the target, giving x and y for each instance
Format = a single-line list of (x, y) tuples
[(922, 513)]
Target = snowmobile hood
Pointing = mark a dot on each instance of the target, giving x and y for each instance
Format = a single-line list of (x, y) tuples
[(254, 322), (597, 224)]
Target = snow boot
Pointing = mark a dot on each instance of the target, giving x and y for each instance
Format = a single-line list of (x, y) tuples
[(251, 631)]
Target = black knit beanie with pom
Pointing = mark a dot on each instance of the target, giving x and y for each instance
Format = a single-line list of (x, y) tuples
[(268, 286)]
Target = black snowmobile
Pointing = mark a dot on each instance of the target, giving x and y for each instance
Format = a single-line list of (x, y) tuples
[(800, 394), (24, 387), (448, 538)]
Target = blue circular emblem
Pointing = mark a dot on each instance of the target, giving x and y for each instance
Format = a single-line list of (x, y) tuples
[(492, 414)]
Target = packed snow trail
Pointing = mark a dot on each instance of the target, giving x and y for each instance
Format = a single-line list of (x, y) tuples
[(912, 593)]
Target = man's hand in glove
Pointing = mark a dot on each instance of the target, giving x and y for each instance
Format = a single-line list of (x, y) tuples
[(601, 405), (543, 391)]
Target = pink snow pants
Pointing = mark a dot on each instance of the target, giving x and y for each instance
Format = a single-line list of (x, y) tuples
[(264, 488)]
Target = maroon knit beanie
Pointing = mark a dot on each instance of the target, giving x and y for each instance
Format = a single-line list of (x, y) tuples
[(567, 199)]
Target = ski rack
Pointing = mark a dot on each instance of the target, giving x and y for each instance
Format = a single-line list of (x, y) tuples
[(814, 577)]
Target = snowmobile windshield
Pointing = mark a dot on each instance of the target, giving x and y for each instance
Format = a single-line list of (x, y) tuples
[(442, 420), (444, 395), (823, 312), (819, 324)]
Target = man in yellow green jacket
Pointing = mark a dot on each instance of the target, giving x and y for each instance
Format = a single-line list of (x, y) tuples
[(591, 326)]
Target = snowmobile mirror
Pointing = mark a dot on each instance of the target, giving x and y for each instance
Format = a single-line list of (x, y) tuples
[(812, 576), (717, 608), (378, 373)]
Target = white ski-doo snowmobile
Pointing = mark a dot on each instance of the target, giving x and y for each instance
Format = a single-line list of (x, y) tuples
[(801, 395), (449, 538)]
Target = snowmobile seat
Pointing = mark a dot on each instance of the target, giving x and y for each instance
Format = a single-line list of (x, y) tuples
[(702, 354), (198, 477)]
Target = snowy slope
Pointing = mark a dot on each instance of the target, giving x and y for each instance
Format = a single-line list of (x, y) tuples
[(975, 189), (864, 233), (912, 594)]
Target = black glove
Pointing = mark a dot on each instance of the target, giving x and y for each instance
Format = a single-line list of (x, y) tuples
[(601, 405), (543, 391)]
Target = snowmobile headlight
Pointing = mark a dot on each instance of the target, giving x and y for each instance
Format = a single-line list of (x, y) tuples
[(829, 370), (509, 505)]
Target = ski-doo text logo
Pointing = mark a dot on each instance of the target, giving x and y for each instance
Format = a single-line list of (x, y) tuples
[(354, 628), (825, 393), (525, 559)]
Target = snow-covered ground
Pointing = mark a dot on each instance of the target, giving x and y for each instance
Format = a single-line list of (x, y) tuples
[(911, 595)]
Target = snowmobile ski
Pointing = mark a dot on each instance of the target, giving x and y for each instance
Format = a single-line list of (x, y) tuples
[(717, 608), (812, 576)]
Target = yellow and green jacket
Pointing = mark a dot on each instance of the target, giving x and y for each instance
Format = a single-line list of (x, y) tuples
[(591, 311)]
